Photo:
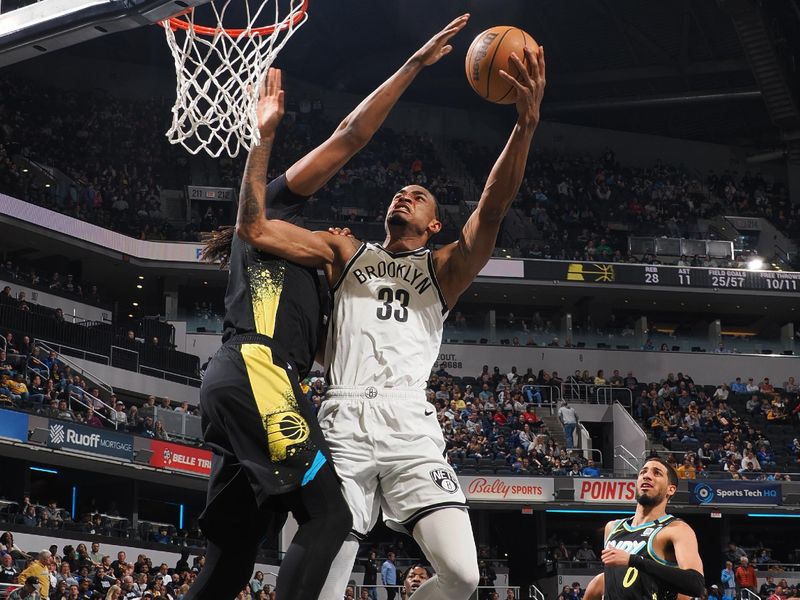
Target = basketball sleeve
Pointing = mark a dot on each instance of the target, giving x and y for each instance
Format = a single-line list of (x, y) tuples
[(283, 204), (684, 581)]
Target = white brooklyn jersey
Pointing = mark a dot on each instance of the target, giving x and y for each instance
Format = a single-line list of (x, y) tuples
[(386, 322)]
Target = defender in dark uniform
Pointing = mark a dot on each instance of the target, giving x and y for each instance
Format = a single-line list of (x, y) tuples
[(652, 555), (269, 457)]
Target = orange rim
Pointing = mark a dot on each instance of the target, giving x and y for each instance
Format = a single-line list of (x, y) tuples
[(177, 23)]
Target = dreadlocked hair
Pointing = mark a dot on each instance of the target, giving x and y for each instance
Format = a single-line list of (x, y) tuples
[(217, 245)]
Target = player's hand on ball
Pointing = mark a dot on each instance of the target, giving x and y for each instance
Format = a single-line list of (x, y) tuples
[(613, 557), (343, 231), (437, 46), (528, 84), (270, 103)]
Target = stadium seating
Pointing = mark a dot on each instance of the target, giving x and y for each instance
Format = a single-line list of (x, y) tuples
[(144, 344), (570, 206), (581, 207)]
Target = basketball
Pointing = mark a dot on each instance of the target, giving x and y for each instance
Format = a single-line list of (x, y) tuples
[(490, 52)]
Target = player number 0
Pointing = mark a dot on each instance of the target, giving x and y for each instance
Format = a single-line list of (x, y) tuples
[(630, 576)]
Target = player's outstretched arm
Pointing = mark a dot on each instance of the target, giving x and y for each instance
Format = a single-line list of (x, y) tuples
[(459, 263), (314, 170), (278, 237)]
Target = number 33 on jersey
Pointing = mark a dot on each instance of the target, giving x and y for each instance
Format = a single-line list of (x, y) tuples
[(393, 312)]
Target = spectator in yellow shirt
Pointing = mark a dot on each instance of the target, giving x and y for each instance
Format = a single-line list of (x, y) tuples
[(776, 414), (18, 387), (460, 403), (39, 569), (5, 389), (686, 470)]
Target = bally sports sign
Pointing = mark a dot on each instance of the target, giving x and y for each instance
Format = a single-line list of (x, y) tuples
[(507, 489), (605, 490)]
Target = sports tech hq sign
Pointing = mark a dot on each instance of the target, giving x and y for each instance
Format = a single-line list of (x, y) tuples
[(748, 493)]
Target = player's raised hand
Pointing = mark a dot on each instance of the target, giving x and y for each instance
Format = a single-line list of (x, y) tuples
[(343, 231), (270, 103), (438, 46), (614, 557), (529, 83)]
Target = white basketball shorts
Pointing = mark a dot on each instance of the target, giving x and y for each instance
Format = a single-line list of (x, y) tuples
[(388, 449)]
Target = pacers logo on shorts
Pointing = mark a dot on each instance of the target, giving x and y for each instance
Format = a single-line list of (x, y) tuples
[(284, 430), (445, 479)]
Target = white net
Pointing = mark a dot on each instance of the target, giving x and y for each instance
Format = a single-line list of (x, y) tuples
[(219, 72)]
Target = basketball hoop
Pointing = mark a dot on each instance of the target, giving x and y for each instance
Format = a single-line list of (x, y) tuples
[(219, 71)]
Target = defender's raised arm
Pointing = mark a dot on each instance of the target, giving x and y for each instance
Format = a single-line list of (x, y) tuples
[(252, 223)]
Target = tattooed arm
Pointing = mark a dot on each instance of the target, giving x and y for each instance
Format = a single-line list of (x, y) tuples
[(253, 193), (269, 235)]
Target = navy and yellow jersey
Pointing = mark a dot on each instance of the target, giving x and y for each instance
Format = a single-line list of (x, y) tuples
[(255, 417), (273, 297), (629, 583)]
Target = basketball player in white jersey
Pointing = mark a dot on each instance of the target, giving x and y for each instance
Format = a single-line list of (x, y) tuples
[(390, 303)]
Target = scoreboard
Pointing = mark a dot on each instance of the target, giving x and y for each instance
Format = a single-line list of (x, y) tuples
[(217, 194), (598, 273)]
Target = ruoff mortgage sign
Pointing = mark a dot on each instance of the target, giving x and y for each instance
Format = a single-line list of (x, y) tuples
[(69, 436)]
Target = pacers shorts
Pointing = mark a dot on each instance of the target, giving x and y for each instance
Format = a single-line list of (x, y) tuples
[(259, 425), (388, 449)]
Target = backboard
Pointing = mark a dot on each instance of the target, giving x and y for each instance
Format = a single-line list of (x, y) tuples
[(29, 28)]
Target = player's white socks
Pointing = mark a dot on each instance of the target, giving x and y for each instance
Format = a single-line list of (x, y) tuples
[(445, 537), (341, 568)]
